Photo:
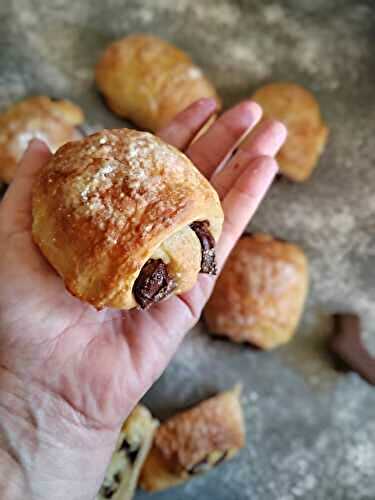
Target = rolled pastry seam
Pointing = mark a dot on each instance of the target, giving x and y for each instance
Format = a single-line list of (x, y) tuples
[(194, 441), (132, 447)]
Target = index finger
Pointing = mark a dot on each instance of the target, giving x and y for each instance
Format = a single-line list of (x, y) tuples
[(183, 128)]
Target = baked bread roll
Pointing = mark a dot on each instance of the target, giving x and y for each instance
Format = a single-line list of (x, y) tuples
[(148, 80), (125, 219), (298, 109), (52, 121), (194, 441), (132, 447), (260, 293)]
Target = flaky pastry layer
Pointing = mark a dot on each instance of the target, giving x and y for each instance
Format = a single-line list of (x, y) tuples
[(104, 206), (37, 117), (149, 80)]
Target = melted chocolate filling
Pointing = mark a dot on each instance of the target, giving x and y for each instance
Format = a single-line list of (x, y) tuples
[(204, 465), (207, 241), (130, 452), (107, 491), (153, 283)]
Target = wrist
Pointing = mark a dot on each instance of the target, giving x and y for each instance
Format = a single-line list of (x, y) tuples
[(46, 449)]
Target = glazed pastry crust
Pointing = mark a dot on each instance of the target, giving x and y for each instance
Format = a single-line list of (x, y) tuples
[(38, 117), (132, 447), (149, 81), (298, 109), (106, 204), (205, 435), (260, 293)]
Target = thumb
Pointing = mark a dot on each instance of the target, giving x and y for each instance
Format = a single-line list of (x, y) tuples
[(16, 204)]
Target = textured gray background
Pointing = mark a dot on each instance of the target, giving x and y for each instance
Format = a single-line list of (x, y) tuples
[(311, 430)]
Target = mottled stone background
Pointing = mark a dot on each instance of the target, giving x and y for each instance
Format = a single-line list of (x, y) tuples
[(311, 430)]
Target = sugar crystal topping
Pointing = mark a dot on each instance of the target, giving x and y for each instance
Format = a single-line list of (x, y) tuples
[(117, 177)]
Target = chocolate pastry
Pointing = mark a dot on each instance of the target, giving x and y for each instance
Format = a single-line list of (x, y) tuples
[(148, 80), (53, 121), (347, 345), (153, 283), (132, 446), (113, 214), (298, 109), (259, 295), (194, 441), (202, 230)]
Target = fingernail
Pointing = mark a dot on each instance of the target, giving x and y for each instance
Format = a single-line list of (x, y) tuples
[(37, 144), (209, 102)]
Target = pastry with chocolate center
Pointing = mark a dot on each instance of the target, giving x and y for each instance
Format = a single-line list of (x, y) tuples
[(148, 80), (299, 110), (125, 219), (259, 296), (53, 121), (132, 446), (194, 441)]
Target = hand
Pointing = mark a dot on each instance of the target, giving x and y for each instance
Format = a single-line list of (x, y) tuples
[(69, 375)]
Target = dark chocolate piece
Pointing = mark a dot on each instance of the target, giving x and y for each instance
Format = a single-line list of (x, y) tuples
[(107, 491), (130, 452), (153, 283), (200, 467), (3, 188), (204, 465), (221, 459), (207, 241), (347, 345), (117, 477)]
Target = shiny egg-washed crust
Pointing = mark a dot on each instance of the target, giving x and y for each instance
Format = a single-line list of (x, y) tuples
[(298, 109), (259, 296), (38, 117), (149, 81), (194, 441), (104, 205)]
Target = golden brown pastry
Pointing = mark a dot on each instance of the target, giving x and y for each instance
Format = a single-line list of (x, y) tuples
[(259, 295), (298, 109), (132, 447), (194, 441), (148, 80), (40, 117), (125, 219)]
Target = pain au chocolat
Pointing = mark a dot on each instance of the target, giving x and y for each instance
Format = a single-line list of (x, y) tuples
[(133, 445), (148, 80), (299, 110), (260, 294), (125, 219), (194, 441), (53, 121)]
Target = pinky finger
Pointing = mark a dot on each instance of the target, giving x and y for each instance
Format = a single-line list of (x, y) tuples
[(242, 200)]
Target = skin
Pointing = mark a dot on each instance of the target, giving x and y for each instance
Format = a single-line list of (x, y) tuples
[(70, 375)]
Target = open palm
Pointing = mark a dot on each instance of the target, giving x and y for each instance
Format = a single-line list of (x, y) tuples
[(95, 365)]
